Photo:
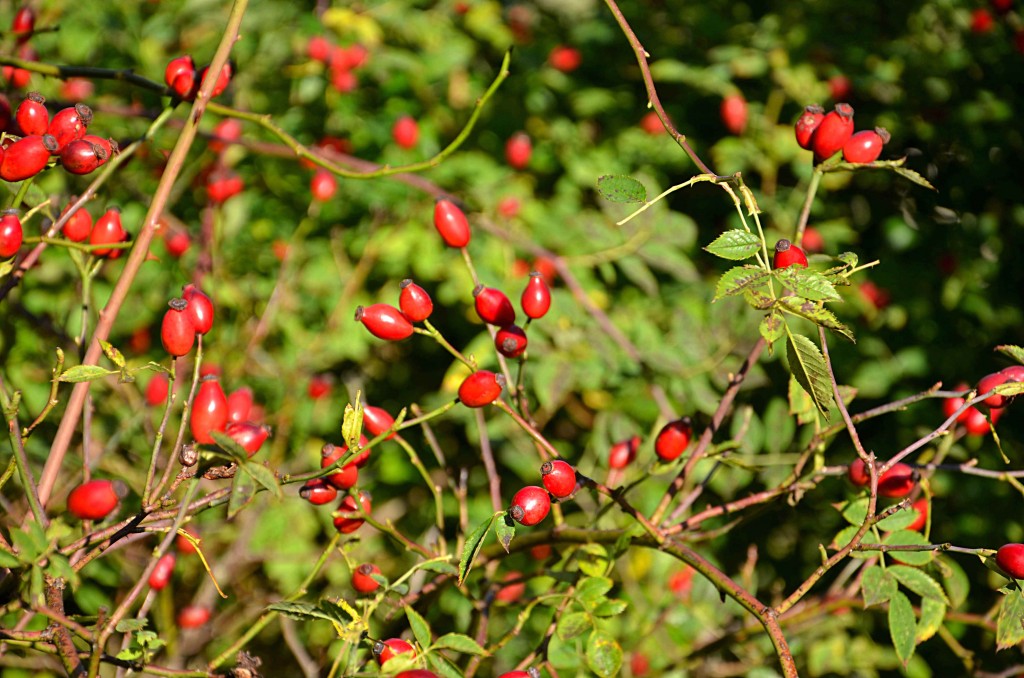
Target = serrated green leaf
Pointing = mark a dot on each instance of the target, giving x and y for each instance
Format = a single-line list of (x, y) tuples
[(801, 405), (621, 188), (335, 612), (420, 627), (902, 626), (808, 366), (911, 538), (772, 327), (807, 284), (592, 589), (80, 373), (440, 664), (855, 511), (1010, 623), (604, 656), (739, 278), (914, 177), (817, 314), (849, 258), (459, 643), (131, 625), (130, 654), (932, 614), (439, 565), (610, 608), (735, 245), (1014, 352), (919, 582), (229, 445), (472, 547), (113, 355), (897, 521), (954, 580), (572, 625), (298, 611), (505, 529), (877, 586), (243, 489), (264, 476)]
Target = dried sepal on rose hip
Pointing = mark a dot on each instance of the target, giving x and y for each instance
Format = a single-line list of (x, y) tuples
[(787, 254)]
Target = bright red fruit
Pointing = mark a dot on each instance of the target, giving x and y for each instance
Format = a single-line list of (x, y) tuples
[(24, 23), (673, 439), (376, 420), (181, 70), (1010, 557), (319, 48), (481, 388), (451, 223), (898, 481), (384, 650), (349, 521), (981, 21), (541, 551), (223, 79), (623, 452), (536, 299), (812, 240), (362, 578), (865, 146), (20, 77), (559, 478), (240, 404), (32, 116), (787, 254), (493, 306), (209, 410), (734, 113), (515, 674), (975, 422), (78, 227), (11, 234), (160, 577), (384, 322), (405, 132), (82, 157), (565, 59), (200, 308), (346, 476), (107, 231), (76, 89), (530, 505), (320, 386), (986, 384), (639, 665), (510, 593), (921, 506), (858, 473), (318, 491), (417, 673), (184, 546), (652, 124), (177, 334), (158, 389), (323, 185), (510, 341), (69, 124), (226, 132), (27, 157), (518, 150), (222, 185), (248, 435), (839, 87), (808, 124), (1013, 373), (833, 132), (509, 207), (951, 405), (193, 617), (414, 302), (96, 499)]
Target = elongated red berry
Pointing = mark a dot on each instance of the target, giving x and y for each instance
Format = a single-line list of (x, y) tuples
[(27, 157), (414, 302), (833, 132), (530, 505), (177, 334), (82, 157), (78, 227), (223, 79), (493, 306), (24, 23), (323, 185), (12, 235), (405, 132), (865, 146), (193, 617), (96, 499), (209, 411), (348, 519), (536, 299), (623, 452), (451, 223), (107, 147), (510, 341), (346, 476), (32, 116), (734, 113), (160, 577), (384, 322), (1010, 557), (158, 389), (362, 578), (107, 231), (808, 124), (240, 404), (318, 491), (787, 254), (481, 388), (199, 307), (248, 435), (559, 478), (69, 124), (226, 132), (384, 650), (518, 150), (673, 439), (376, 420), (989, 382)]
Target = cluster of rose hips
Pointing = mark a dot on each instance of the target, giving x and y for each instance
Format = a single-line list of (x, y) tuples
[(182, 79), (672, 440), (531, 504), (107, 230), (827, 134), (342, 61), (973, 419)]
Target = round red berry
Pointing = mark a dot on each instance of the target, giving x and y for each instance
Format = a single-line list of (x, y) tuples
[(81, 157), (69, 124), (346, 476), (986, 384), (530, 505), (405, 132), (384, 650), (108, 231), (384, 322), (858, 473), (673, 439), (898, 481), (921, 507), (248, 435), (787, 254), (833, 132), (32, 116), (510, 341), (158, 389), (24, 23), (493, 306), (518, 150), (96, 499), (362, 578), (27, 157), (193, 617), (160, 577), (536, 299), (323, 185), (807, 124), (951, 405), (349, 520), (177, 68), (512, 591), (223, 79), (981, 21), (11, 234), (734, 113), (1014, 373), (320, 386), (414, 302), (1010, 558), (559, 478), (177, 334), (865, 146), (481, 388), (318, 491), (451, 223), (564, 58), (209, 410), (78, 227), (623, 452), (222, 185)]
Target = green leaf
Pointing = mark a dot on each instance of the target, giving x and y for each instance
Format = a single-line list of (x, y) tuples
[(243, 489), (735, 245), (593, 560), (113, 355), (335, 612), (902, 626), (438, 662), (800, 402), (913, 176), (932, 614), (772, 327), (604, 656), (1010, 623), (1015, 352), (849, 258), (919, 582), (877, 586), (954, 579), (440, 565), (9, 560), (131, 625), (459, 643), (621, 188), (264, 476), (229, 445), (299, 611), (855, 511), (737, 279), (808, 366), (572, 624), (474, 542), (909, 537), (807, 284), (505, 528), (592, 589), (420, 627), (816, 314), (897, 521), (80, 373), (610, 608)]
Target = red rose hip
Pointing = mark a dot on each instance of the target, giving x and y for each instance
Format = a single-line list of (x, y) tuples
[(27, 157), (32, 116), (414, 302), (787, 254), (1010, 557), (808, 124), (865, 146), (493, 306), (833, 132), (734, 113), (318, 492), (451, 223), (177, 333), (384, 322), (200, 308), (559, 478), (349, 520), (160, 577), (481, 388), (530, 505), (11, 234), (96, 499), (623, 452), (362, 578), (673, 439), (518, 150), (536, 299), (510, 341), (209, 410)]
